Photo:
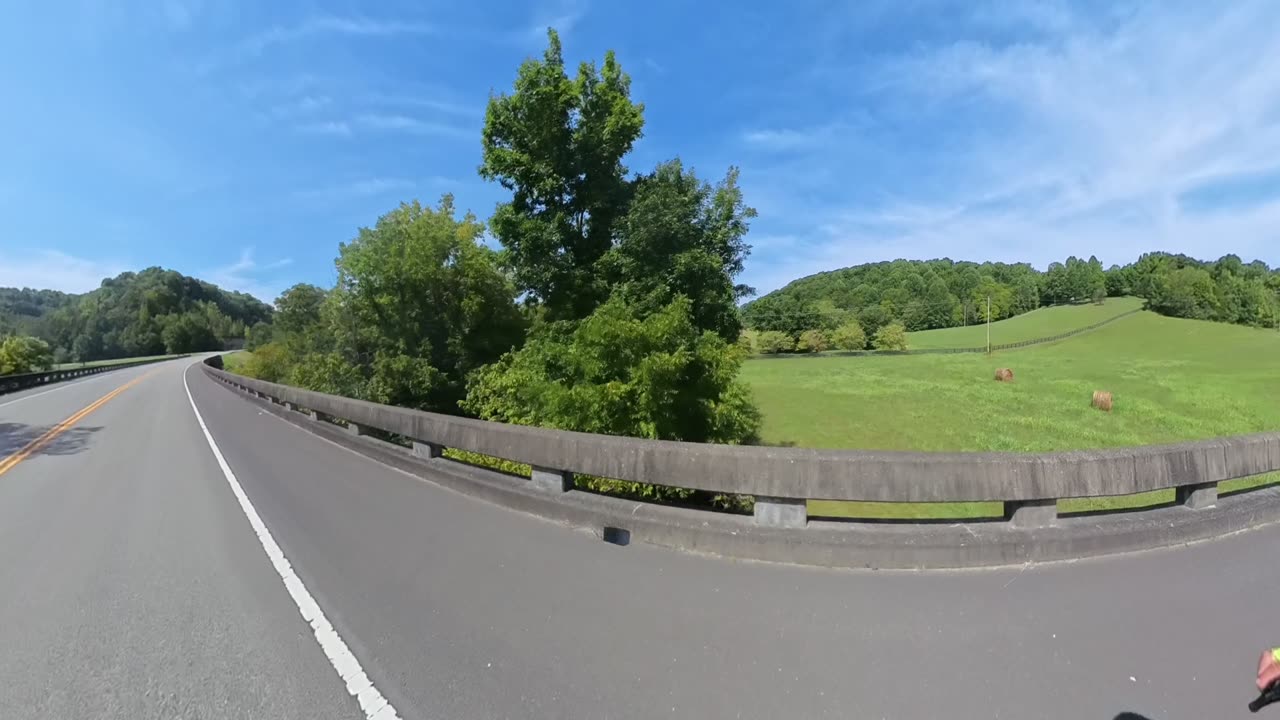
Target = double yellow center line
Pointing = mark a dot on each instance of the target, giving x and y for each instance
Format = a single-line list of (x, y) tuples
[(52, 433)]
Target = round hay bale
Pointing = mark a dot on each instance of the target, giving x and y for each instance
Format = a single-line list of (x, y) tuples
[(1102, 400), (1004, 375)]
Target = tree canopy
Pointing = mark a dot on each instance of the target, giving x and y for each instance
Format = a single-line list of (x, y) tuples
[(420, 303), (150, 312), (632, 280)]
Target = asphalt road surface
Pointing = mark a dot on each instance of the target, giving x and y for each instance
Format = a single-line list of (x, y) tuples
[(133, 584)]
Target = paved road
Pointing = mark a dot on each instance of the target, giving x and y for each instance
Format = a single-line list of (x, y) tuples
[(132, 585)]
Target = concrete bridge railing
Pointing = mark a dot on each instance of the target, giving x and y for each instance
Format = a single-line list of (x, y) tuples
[(782, 479), (22, 381)]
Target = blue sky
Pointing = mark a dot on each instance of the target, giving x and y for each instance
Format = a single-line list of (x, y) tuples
[(242, 141)]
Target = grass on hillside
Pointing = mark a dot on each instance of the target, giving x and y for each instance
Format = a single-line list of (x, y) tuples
[(1044, 322), (117, 361), (1172, 380), (232, 362)]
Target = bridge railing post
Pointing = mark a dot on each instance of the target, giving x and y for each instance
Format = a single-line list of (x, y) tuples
[(427, 449), (1199, 496), (551, 480), (1031, 513), (781, 512)]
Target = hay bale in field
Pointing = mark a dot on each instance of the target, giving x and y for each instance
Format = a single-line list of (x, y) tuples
[(1004, 375), (1102, 400)]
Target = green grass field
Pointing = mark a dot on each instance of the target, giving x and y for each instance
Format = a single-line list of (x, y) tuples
[(1044, 322), (117, 361), (1172, 380)]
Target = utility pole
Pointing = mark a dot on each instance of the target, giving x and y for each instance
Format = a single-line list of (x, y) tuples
[(988, 324)]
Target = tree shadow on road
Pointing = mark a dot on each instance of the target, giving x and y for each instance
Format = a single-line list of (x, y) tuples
[(1131, 716), (16, 436)]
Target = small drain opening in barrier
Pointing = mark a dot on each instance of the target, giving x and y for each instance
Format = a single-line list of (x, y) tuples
[(616, 536)]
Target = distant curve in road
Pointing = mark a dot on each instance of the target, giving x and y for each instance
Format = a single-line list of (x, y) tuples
[(133, 585)]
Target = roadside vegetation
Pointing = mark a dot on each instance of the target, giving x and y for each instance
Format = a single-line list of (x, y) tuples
[(611, 307)]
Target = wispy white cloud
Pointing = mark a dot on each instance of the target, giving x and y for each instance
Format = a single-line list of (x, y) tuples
[(327, 127), (302, 106), (54, 270), (313, 26), (778, 139), (406, 123), (361, 188), (1083, 140), (447, 107), (333, 25), (247, 275), (563, 16)]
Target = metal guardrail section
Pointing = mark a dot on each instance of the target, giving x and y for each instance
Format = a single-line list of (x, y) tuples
[(10, 383), (959, 350), (783, 478)]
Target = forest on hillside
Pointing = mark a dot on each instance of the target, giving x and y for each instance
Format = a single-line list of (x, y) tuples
[(855, 303), (151, 312)]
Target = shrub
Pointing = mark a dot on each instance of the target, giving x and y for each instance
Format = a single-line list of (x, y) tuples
[(772, 342), (269, 362), (812, 341), (23, 354), (849, 336), (619, 372), (891, 337)]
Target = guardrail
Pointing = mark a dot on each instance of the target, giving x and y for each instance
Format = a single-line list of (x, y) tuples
[(22, 381), (953, 351), (783, 479)]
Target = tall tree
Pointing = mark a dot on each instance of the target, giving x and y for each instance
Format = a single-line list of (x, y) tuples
[(683, 237), (419, 304), (557, 144)]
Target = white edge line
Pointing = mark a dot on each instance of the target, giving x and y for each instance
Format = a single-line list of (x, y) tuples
[(374, 705)]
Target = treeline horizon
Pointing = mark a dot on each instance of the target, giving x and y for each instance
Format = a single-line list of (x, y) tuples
[(810, 313), (153, 311)]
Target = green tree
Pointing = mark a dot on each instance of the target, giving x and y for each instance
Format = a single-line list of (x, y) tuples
[(24, 354), (298, 309), (1187, 293), (683, 237), (189, 332), (619, 373), (891, 337), (557, 144), (812, 341), (772, 342), (849, 336), (260, 334), (420, 303)]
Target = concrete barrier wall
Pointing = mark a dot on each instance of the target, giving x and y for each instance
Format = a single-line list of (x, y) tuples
[(11, 383), (783, 478)]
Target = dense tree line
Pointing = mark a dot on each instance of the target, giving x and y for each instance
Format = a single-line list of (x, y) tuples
[(21, 309), (1225, 290), (917, 294), (151, 312), (611, 306), (846, 308)]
